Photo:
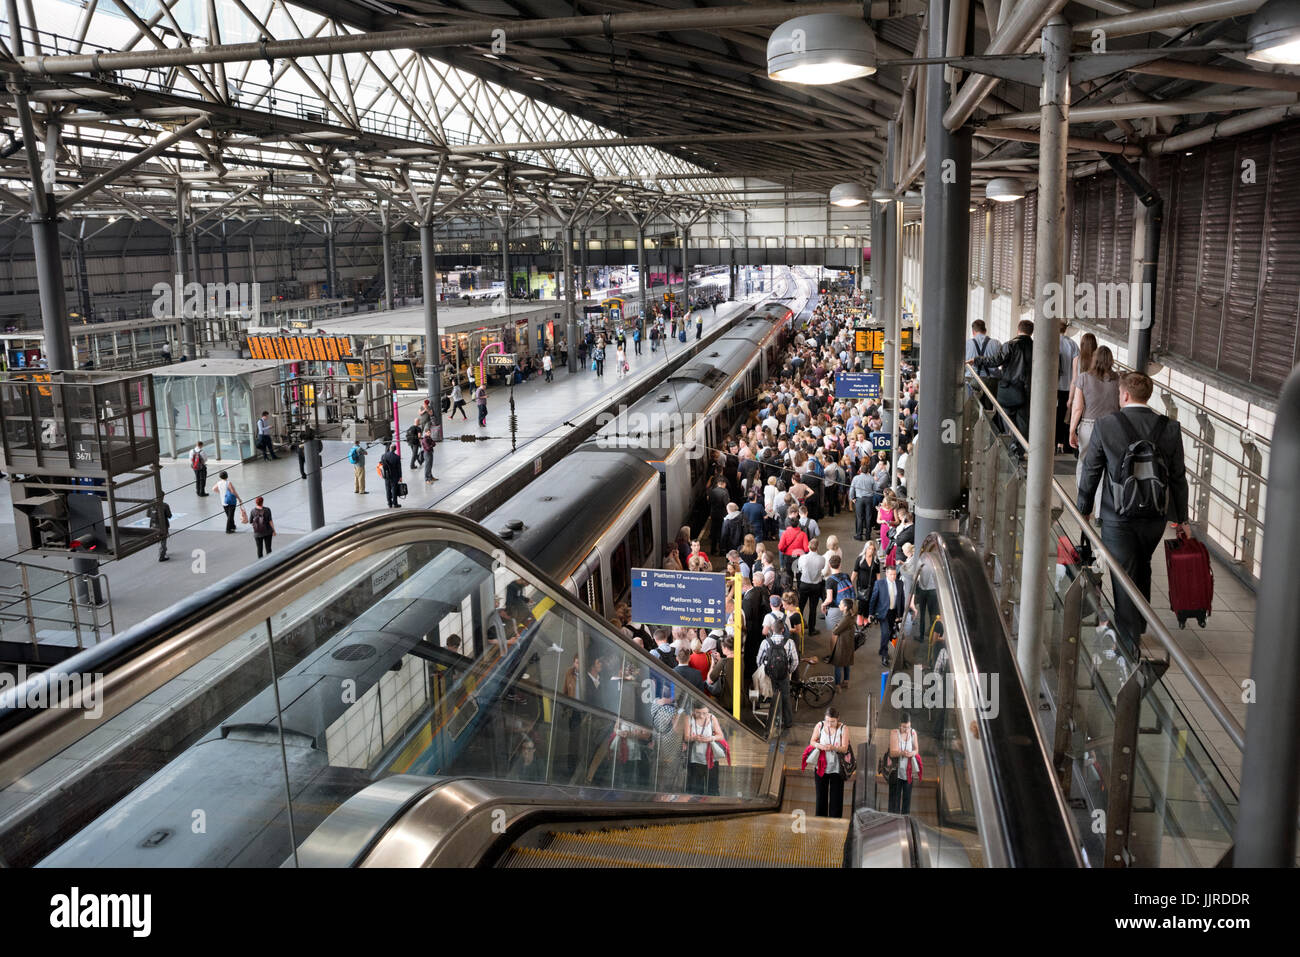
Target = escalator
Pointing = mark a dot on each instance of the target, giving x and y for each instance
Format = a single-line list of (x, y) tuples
[(404, 691)]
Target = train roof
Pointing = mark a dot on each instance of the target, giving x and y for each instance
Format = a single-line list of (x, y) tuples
[(564, 511)]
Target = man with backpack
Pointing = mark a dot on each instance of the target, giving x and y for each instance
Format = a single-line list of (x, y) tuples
[(199, 463), (778, 657), (1015, 360), (357, 456), (413, 440), (1136, 454), (839, 587)]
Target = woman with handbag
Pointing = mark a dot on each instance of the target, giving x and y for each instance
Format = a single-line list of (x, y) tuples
[(905, 759), (229, 499), (704, 745), (830, 743), (865, 572)]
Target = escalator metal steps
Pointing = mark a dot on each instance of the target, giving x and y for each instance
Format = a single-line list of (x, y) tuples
[(766, 840)]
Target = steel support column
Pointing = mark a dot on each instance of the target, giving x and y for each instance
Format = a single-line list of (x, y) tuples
[(1049, 263), (641, 276), (388, 264), (432, 340), (570, 316), (49, 284), (505, 258), (331, 267), (890, 297), (945, 239), (1017, 263), (180, 238), (686, 272)]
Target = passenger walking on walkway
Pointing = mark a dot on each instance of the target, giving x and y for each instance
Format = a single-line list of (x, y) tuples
[(598, 358), (548, 366), (887, 608), (622, 362), (199, 463), (160, 519), (426, 449), (843, 644), (480, 396), (905, 765), (263, 528), (778, 657), (357, 456), (391, 465), (699, 325), (413, 440), (457, 402), (829, 743), (1015, 360), (1135, 506), (862, 496), (1069, 353), (225, 489), (636, 340), (264, 437), (1096, 395)]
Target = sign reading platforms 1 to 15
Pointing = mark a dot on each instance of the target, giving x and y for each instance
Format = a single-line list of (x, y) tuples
[(857, 385), (679, 599)]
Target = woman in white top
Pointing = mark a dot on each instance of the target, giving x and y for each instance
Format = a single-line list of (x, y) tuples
[(831, 738), (622, 361), (702, 733), (833, 548), (904, 753), (225, 490), (770, 492)]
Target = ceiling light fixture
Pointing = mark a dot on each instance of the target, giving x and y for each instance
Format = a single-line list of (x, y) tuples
[(1004, 189), (883, 196), (848, 194), (821, 49), (1274, 33)]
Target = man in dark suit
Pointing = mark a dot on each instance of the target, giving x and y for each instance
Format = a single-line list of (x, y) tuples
[(886, 607), (391, 463), (1132, 541), (754, 605)]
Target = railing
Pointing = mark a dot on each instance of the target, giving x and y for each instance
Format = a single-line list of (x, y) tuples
[(1132, 712), (36, 613)]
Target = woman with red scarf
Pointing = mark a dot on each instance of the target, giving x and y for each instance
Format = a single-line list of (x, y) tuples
[(702, 739)]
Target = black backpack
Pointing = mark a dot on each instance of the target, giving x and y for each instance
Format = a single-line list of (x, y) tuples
[(777, 665), (1142, 491)]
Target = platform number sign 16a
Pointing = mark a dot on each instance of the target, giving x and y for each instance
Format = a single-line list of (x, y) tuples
[(882, 441)]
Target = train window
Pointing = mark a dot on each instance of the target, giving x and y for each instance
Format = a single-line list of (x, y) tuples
[(619, 573), (647, 536)]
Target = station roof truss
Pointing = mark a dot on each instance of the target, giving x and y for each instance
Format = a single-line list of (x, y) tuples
[(419, 110)]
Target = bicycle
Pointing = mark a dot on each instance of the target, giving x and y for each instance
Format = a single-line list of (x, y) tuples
[(817, 690)]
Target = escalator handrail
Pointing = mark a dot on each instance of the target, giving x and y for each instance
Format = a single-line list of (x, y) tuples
[(140, 660), (1023, 818), (1121, 579), (463, 822)]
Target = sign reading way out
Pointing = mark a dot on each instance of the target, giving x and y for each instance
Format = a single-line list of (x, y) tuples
[(679, 599)]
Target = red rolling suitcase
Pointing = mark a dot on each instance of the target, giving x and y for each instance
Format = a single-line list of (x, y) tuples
[(1191, 581)]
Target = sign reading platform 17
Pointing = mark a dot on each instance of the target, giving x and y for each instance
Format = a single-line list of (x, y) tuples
[(679, 599), (857, 385)]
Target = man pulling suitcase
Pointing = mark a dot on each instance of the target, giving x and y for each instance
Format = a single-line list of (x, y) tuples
[(1139, 452)]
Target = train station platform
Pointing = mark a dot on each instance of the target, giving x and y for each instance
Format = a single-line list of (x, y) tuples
[(202, 553)]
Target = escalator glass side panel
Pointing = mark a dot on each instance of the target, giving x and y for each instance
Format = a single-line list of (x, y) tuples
[(983, 781), (444, 656)]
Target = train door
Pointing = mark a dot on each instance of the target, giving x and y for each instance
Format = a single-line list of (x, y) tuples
[(590, 587)]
